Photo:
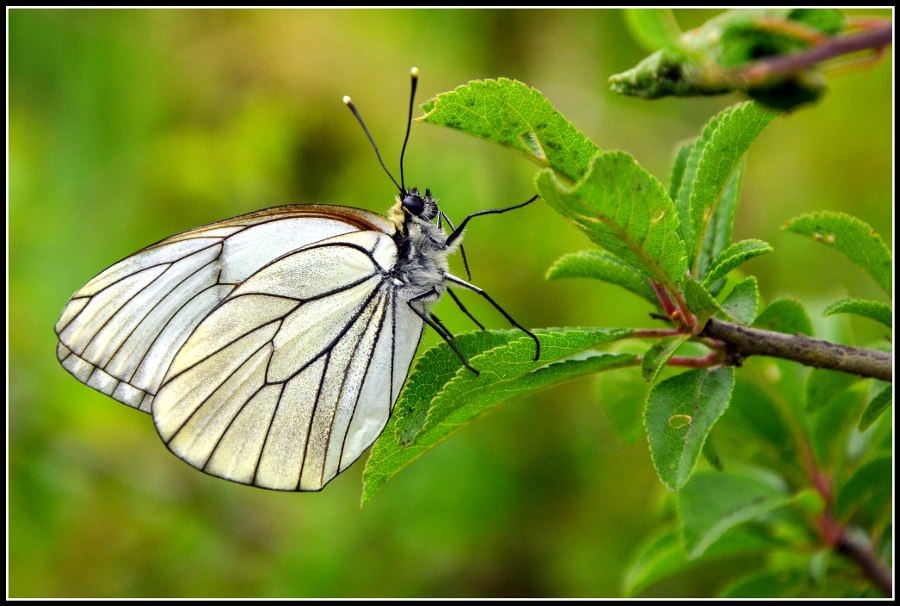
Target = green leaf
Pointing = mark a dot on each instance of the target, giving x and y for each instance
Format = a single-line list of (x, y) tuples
[(699, 301), (850, 237), (658, 355), (755, 404), (685, 150), (680, 413), (711, 454), (875, 407), (868, 309), (723, 143), (622, 396), (662, 555), (832, 423), (653, 28), (741, 302), (767, 584), (823, 385), (787, 316), (869, 487), (513, 114), (433, 369), (715, 501), (703, 61), (718, 233), (507, 371), (603, 266), (625, 210), (733, 257)]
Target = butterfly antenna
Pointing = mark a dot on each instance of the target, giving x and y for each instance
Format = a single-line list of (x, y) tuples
[(414, 74), (372, 141)]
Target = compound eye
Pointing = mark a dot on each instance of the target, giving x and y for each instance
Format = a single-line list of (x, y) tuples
[(414, 203)]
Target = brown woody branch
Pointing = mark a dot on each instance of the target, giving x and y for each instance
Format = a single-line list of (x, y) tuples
[(876, 35), (743, 342)]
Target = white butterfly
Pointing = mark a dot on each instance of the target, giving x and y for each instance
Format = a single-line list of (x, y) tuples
[(270, 348)]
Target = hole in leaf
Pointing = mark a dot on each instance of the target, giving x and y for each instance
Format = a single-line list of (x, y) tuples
[(679, 421), (530, 140)]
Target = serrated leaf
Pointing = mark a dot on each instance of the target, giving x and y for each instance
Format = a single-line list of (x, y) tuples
[(785, 315), (869, 487), (653, 28), (437, 368), (658, 355), (718, 233), (699, 301), (850, 237), (506, 372), (715, 501), (733, 257), (515, 115), (724, 141), (867, 309), (625, 210), (741, 303), (680, 413), (603, 266), (663, 555), (823, 385), (681, 159), (874, 408)]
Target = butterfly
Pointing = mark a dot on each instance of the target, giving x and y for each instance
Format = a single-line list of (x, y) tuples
[(270, 348)]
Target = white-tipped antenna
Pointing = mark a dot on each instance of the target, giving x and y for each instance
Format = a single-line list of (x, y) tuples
[(401, 186)]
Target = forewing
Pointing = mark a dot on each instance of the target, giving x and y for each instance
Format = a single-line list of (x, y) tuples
[(120, 332), (295, 373)]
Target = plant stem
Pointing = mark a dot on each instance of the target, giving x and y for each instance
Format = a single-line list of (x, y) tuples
[(875, 36), (743, 342)]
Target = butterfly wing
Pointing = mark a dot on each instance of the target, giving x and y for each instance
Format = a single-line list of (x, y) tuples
[(120, 332), (295, 373)]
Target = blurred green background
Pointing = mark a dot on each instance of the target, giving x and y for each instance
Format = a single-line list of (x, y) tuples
[(127, 126)]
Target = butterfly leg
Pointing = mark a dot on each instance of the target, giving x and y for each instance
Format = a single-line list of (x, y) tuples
[(463, 307), (457, 232), (455, 280), (441, 331), (462, 251)]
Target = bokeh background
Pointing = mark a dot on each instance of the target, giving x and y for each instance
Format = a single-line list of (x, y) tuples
[(127, 126)]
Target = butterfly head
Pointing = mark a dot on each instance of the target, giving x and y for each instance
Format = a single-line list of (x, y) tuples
[(415, 204)]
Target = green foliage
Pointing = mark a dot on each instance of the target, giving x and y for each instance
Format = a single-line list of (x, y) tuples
[(741, 303), (653, 28), (852, 238), (624, 209), (733, 257), (443, 396), (713, 502), (709, 59), (658, 355), (777, 419), (867, 309), (700, 301), (874, 408), (604, 266), (713, 160), (96, 148), (512, 114), (680, 413), (785, 315)]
